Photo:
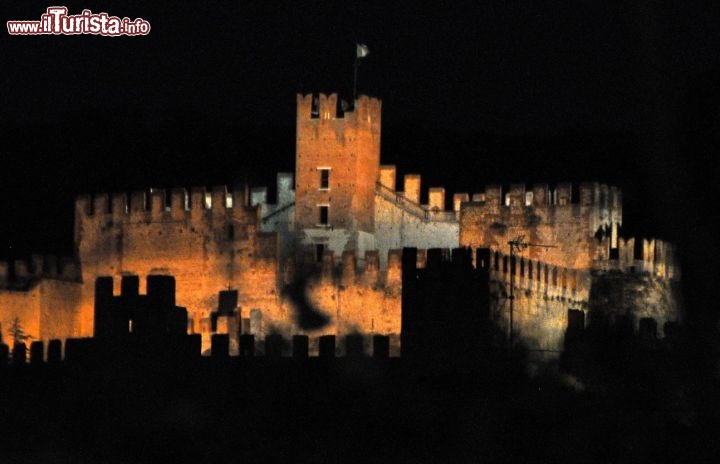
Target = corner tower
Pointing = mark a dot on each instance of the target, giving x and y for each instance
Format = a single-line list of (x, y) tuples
[(337, 163)]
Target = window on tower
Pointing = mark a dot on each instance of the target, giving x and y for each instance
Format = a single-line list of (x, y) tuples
[(323, 214), (324, 178)]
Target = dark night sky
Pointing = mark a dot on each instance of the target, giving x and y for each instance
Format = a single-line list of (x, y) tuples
[(473, 92)]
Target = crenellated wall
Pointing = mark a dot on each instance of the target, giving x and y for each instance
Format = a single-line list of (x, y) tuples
[(402, 221), (581, 232), (43, 293), (24, 272), (653, 256), (629, 287), (208, 240), (91, 352), (364, 300), (542, 292)]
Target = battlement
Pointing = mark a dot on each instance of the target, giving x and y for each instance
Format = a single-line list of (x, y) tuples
[(607, 198), (535, 276), (37, 267), (160, 203), (285, 190), (653, 256), (198, 205), (409, 198), (129, 313), (322, 107), (346, 271), (580, 227), (159, 288), (435, 259), (285, 195), (89, 351)]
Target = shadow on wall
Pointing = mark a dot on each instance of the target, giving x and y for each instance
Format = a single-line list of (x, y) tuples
[(307, 317)]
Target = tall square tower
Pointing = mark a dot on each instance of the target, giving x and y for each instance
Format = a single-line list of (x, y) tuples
[(337, 164)]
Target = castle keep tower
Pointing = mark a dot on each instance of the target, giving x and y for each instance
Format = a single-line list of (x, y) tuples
[(337, 164)]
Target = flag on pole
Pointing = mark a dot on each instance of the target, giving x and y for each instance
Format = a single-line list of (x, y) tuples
[(362, 51)]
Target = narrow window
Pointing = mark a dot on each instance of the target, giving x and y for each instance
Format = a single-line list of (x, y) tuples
[(315, 108), (319, 251), (324, 215), (168, 199), (324, 179)]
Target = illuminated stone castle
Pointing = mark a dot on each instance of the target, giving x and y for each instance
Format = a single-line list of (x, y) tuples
[(337, 231)]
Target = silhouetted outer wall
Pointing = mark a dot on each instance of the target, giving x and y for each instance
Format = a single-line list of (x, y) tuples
[(445, 305)]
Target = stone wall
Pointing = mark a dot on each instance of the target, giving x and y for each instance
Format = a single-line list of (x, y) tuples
[(581, 233), (207, 240), (543, 294), (365, 300), (278, 217), (635, 296), (402, 221), (44, 293)]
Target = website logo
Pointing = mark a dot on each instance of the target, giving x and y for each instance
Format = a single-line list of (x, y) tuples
[(56, 21)]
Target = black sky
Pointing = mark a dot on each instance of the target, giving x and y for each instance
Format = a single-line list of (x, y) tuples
[(473, 92)]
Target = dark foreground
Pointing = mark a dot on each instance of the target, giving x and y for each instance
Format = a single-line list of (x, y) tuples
[(358, 410)]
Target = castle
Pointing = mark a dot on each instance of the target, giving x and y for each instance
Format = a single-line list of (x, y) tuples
[(326, 257)]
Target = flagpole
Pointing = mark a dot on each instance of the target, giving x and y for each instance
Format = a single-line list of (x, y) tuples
[(355, 72), (361, 51)]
